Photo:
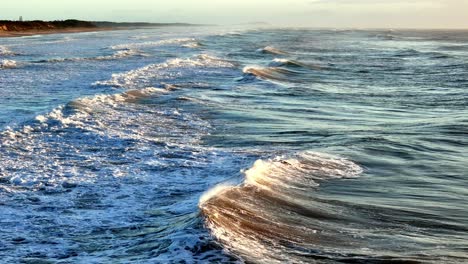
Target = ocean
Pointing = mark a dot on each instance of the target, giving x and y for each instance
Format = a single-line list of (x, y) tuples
[(234, 145)]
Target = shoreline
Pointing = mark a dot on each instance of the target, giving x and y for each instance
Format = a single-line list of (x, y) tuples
[(10, 28), (12, 34)]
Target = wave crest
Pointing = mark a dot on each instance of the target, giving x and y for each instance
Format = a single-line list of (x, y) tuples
[(105, 118), (301, 171), (165, 71), (272, 50), (295, 64), (181, 41), (271, 73), (121, 54), (274, 207), (87, 104)]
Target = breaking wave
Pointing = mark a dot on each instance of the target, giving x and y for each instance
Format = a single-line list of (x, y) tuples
[(121, 54), (186, 42), (128, 176), (8, 64), (272, 73), (272, 50), (166, 71), (294, 63), (114, 154), (103, 152), (271, 216)]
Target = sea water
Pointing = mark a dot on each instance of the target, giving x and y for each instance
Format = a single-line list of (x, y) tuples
[(215, 145)]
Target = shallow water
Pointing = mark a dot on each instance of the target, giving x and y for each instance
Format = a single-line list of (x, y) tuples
[(234, 145)]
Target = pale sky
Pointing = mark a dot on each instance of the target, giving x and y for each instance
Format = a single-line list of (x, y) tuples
[(309, 13)]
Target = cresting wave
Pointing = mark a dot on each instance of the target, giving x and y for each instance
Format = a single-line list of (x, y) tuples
[(283, 70), (107, 162), (88, 105), (272, 50), (102, 153), (272, 217), (101, 115), (122, 54), (104, 115), (132, 50), (185, 42), (278, 215), (166, 71), (295, 64), (273, 73)]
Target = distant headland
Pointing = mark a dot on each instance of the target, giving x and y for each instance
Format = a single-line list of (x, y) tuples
[(10, 28)]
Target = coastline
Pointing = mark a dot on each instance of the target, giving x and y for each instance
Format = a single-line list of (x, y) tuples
[(12, 34), (38, 27)]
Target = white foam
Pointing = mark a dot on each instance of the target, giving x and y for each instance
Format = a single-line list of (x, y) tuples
[(249, 220), (192, 45), (5, 51), (41, 118), (116, 116), (182, 41), (8, 64), (215, 191), (86, 104), (303, 169), (143, 76), (119, 54), (279, 60), (249, 68)]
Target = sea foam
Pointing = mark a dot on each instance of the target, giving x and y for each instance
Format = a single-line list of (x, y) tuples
[(8, 64)]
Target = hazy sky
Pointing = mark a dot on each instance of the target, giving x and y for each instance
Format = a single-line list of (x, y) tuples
[(313, 13)]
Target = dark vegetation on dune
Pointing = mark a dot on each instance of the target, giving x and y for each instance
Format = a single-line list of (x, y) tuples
[(7, 25), (18, 26)]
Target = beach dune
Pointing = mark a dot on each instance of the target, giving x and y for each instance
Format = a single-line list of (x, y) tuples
[(26, 28)]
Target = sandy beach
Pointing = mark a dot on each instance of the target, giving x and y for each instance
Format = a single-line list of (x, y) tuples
[(5, 34)]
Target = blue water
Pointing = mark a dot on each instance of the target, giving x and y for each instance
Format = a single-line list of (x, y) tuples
[(207, 144)]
